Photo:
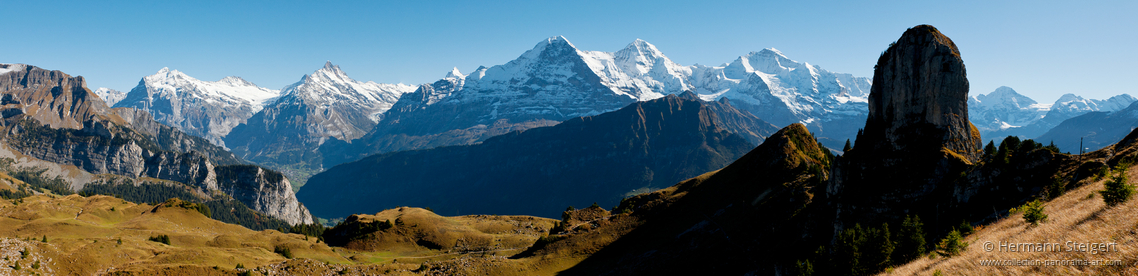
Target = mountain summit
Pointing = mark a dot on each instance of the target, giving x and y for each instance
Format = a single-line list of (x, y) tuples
[(201, 108), (555, 81), (324, 104)]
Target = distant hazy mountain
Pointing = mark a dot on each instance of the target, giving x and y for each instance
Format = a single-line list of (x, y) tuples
[(110, 96), (1004, 112), (1097, 129), (201, 108), (601, 158)]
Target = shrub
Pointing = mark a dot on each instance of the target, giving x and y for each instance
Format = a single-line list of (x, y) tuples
[(284, 251), (1033, 212), (804, 268), (863, 250), (1117, 190), (161, 238), (952, 245), (966, 228), (910, 239), (1056, 188)]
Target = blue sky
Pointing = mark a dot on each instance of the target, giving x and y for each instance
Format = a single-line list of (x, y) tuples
[(1041, 49)]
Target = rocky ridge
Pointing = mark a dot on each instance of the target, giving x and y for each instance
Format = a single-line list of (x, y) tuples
[(326, 104), (556, 81), (201, 108), (105, 142)]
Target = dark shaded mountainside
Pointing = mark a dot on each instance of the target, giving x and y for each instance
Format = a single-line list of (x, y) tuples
[(787, 202), (1093, 130), (647, 145), (52, 116)]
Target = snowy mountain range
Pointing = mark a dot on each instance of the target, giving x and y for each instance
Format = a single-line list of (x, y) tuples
[(201, 108), (555, 81), (1092, 130), (324, 104), (327, 118), (1005, 112)]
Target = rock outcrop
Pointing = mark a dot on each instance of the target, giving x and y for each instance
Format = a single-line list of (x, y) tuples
[(51, 97), (51, 116), (263, 190), (917, 139), (920, 88)]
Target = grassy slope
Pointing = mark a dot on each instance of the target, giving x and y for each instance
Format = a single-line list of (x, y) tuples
[(82, 235), (1071, 217)]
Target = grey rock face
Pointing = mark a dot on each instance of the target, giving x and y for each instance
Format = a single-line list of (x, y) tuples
[(921, 86), (917, 138), (191, 169), (263, 190), (171, 139)]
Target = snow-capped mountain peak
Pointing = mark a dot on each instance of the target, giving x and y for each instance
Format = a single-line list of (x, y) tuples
[(5, 68), (1003, 109), (1006, 112), (328, 73), (1072, 103), (640, 57), (329, 86), (1004, 96), (110, 96), (454, 74), (174, 82), (556, 81), (208, 109), (325, 104), (235, 81)]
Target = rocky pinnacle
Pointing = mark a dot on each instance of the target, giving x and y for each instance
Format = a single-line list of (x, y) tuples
[(919, 99)]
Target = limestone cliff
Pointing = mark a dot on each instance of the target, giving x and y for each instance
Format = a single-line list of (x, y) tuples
[(917, 139), (920, 90), (263, 190)]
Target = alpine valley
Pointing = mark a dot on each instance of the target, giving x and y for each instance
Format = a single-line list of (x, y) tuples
[(760, 166)]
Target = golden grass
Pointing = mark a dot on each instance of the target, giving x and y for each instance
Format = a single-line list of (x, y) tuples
[(83, 235), (1074, 216)]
